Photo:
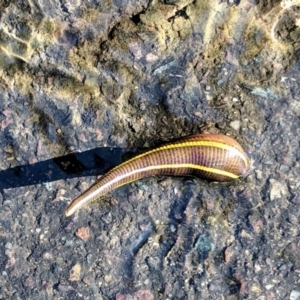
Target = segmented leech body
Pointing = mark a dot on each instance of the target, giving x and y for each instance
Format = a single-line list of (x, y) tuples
[(210, 156)]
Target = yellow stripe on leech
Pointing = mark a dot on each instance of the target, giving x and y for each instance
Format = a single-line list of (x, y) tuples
[(176, 166), (192, 166), (192, 144), (84, 201), (170, 166)]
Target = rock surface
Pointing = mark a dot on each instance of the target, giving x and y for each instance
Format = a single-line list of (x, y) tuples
[(85, 83)]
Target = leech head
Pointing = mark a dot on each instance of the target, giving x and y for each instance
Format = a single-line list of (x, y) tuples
[(249, 169)]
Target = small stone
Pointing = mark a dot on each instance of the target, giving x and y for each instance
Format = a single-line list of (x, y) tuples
[(107, 218), (123, 296), (284, 168), (8, 245), (257, 267), (295, 295), (75, 273), (88, 279), (203, 243), (76, 118), (229, 253), (235, 125), (47, 256), (144, 294), (256, 223), (172, 228), (255, 288), (150, 57), (29, 282), (258, 174), (277, 190), (269, 286), (11, 260), (83, 233), (89, 258), (136, 50), (65, 288)]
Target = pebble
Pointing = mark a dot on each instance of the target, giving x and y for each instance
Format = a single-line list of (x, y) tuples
[(277, 189), (172, 228), (108, 278), (258, 174), (8, 245), (284, 168), (295, 295), (203, 243), (235, 125), (269, 286)]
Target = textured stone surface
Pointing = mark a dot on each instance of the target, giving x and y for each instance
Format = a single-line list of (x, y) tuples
[(85, 83)]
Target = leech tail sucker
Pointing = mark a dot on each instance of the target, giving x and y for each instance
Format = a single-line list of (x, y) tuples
[(211, 156)]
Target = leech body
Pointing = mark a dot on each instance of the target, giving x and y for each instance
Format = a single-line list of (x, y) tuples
[(210, 156)]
